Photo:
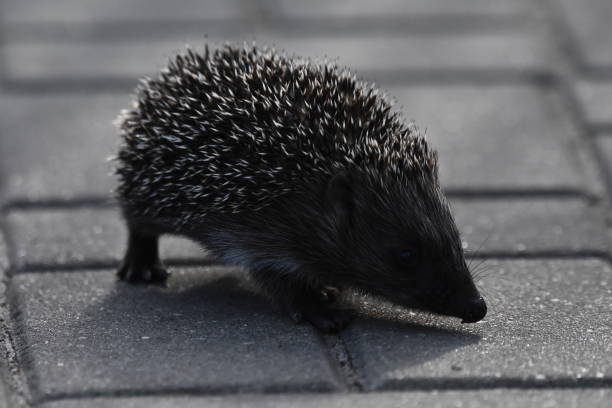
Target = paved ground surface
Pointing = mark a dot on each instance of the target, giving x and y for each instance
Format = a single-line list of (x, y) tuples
[(516, 96)]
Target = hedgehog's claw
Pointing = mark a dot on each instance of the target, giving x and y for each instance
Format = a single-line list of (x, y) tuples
[(324, 318), (328, 320), (134, 272), (329, 294)]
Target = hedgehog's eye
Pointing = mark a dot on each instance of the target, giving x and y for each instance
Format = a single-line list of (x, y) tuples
[(406, 256)]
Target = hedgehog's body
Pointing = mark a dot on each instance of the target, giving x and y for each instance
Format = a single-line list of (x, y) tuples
[(296, 172)]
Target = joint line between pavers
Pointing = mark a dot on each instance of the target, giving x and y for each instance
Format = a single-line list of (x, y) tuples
[(280, 389), (600, 128), (58, 203), (572, 53), (565, 33), (489, 383), (560, 254), (106, 265), (340, 354), (591, 154), (509, 193)]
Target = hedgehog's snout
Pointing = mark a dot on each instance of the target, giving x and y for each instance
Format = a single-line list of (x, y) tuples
[(474, 310)]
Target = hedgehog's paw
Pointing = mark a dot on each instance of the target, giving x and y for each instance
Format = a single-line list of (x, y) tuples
[(329, 294), (324, 318), (135, 272)]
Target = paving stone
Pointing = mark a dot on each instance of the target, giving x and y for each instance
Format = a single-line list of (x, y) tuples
[(603, 143), (92, 11), (519, 226), (589, 21), (522, 226), (57, 145), (497, 137), (596, 98), (3, 398), (87, 333), (4, 265), (430, 52), (548, 322), (436, 399), (81, 236), (4, 259), (403, 8), (70, 61)]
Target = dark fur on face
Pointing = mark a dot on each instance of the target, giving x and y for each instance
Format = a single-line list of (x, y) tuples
[(400, 242)]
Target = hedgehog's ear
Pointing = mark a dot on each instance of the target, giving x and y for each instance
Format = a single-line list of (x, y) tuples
[(340, 195)]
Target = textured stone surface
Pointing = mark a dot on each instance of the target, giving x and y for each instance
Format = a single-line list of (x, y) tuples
[(58, 145), (548, 321), (80, 236), (467, 70), (3, 398), (426, 53), (402, 8), (603, 144), (598, 398), (589, 21), (92, 11), (596, 98), (521, 226), (92, 236), (4, 317), (497, 137), (87, 332)]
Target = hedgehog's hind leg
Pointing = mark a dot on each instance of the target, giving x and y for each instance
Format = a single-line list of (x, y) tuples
[(304, 301), (141, 262)]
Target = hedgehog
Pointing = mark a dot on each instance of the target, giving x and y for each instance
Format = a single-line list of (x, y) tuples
[(297, 171)]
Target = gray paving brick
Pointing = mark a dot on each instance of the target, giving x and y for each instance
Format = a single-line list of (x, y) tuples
[(596, 98), (589, 22), (436, 399), (6, 360), (90, 236), (430, 52), (92, 11), (80, 236), (85, 332), (3, 398), (4, 259), (403, 8), (549, 321), (521, 226), (57, 145), (497, 137), (603, 143), (502, 51)]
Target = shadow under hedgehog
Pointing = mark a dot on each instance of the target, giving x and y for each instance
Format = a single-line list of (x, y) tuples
[(297, 172)]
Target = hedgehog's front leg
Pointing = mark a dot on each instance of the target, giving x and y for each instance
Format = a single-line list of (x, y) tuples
[(141, 262), (302, 300)]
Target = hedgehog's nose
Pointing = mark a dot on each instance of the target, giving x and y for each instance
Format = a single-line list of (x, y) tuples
[(475, 310)]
